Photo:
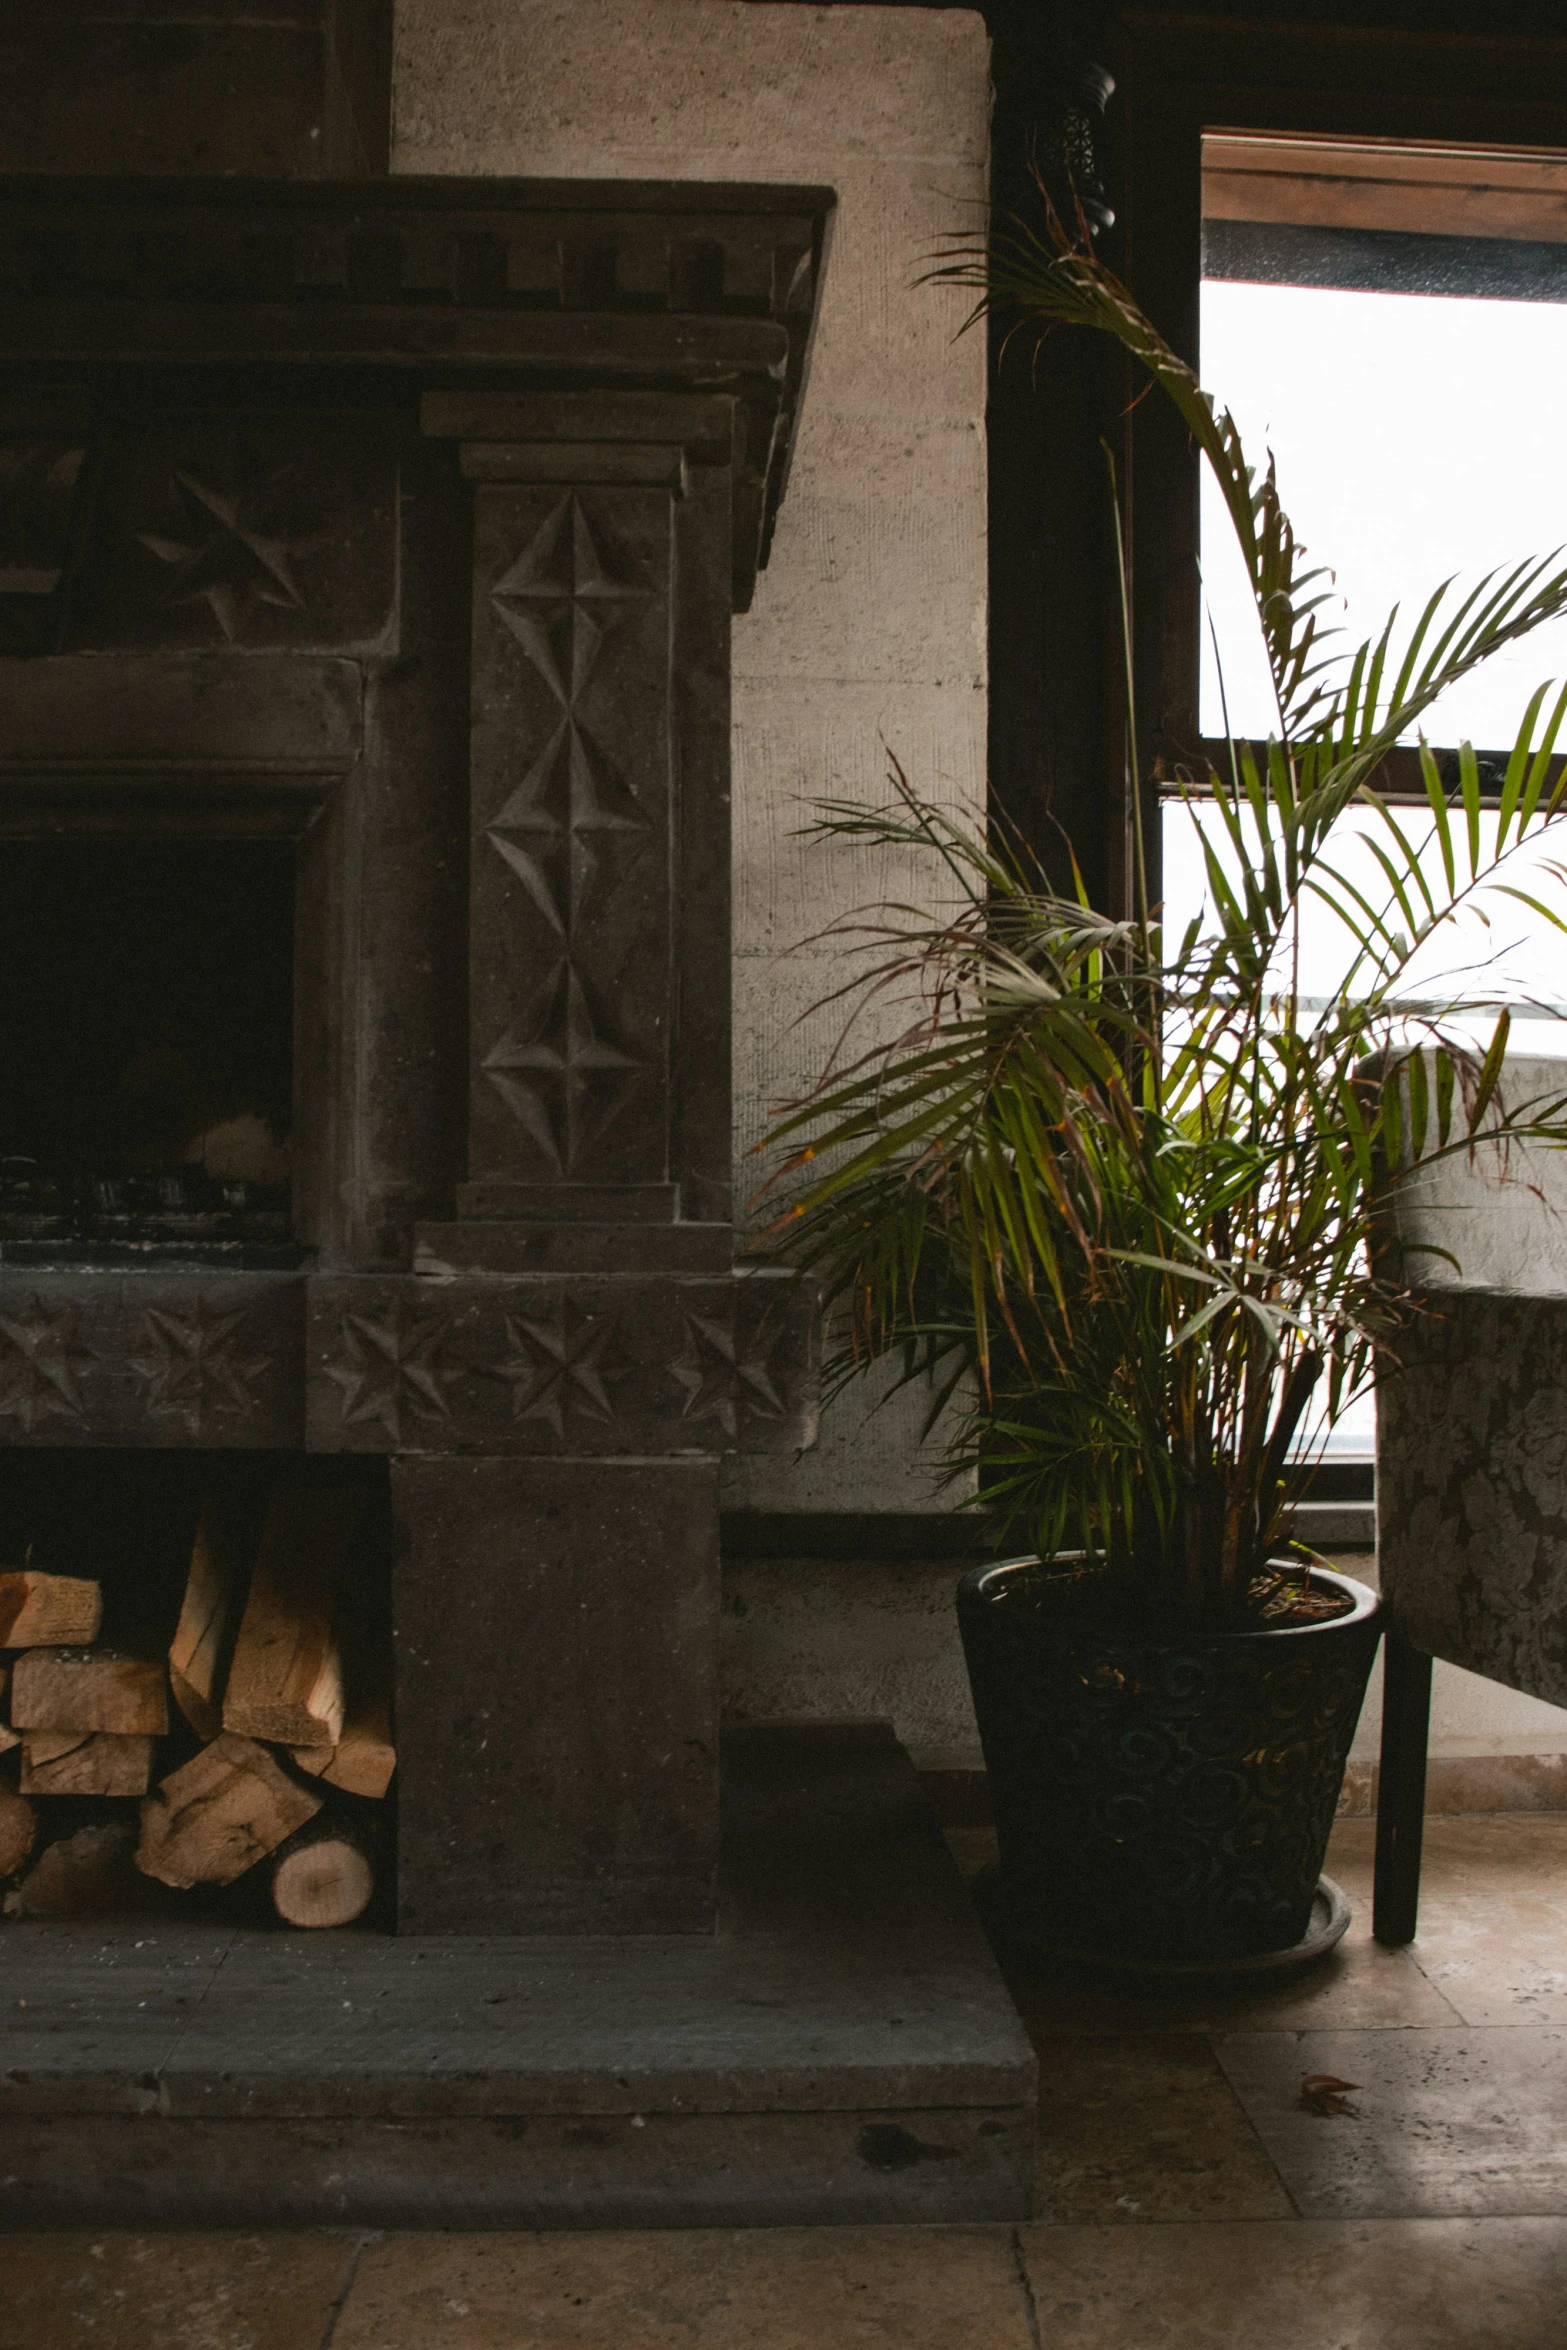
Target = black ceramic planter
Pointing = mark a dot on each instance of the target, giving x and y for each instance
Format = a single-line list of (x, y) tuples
[(1155, 1798)]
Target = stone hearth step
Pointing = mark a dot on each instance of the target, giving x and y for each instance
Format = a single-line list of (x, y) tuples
[(843, 2049)]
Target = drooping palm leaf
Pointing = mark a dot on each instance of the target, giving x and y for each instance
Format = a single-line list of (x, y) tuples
[(1128, 1201)]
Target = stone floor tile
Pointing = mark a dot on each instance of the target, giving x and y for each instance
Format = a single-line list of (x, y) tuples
[(1488, 2284), (1493, 1916), (1456, 2123), (760, 2289), (1357, 1984), (171, 2292), (1146, 2128), (1360, 1983)]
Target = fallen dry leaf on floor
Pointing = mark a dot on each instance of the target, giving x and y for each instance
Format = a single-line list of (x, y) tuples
[(1325, 2093)]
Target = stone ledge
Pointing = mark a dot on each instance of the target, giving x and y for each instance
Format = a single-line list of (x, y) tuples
[(843, 2049)]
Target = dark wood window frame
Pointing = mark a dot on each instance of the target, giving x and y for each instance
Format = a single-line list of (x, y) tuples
[(1177, 78)]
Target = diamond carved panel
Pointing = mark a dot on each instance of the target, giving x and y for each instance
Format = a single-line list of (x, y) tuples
[(570, 893)]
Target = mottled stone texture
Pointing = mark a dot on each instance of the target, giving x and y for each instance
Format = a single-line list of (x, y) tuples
[(291, 88), (467, 480), (1472, 1486), (557, 1696), (843, 2047), (867, 632)]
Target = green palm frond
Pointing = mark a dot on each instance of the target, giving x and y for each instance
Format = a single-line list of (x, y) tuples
[(1122, 1205)]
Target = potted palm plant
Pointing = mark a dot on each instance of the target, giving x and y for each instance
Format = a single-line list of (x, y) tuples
[(1119, 1196)]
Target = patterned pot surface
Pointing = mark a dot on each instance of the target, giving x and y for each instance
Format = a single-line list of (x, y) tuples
[(1160, 1797)]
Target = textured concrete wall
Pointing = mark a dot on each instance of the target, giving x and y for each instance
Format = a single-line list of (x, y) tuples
[(867, 633), (823, 1639)]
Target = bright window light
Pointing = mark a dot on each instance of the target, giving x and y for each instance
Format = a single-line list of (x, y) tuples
[(1416, 436)]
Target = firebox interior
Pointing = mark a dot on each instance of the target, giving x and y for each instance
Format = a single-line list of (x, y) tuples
[(146, 1070)]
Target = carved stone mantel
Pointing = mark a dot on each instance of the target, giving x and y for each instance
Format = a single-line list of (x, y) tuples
[(405, 519)]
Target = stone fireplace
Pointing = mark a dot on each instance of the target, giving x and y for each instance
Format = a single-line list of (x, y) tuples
[(367, 557)]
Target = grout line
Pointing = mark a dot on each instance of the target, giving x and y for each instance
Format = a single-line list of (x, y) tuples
[(376, 2236), (1410, 1951), (1213, 2039), (1025, 2287)]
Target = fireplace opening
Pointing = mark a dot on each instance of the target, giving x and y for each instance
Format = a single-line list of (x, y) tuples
[(213, 1739), (146, 1047)]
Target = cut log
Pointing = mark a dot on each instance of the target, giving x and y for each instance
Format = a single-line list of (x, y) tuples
[(8, 1736), (215, 1589), (47, 1611), (286, 1681), (69, 1762), (79, 1876), (363, 1761), (85, 1689), (325, 1878), (219, 1814), (366, 1758), (18, 1830)]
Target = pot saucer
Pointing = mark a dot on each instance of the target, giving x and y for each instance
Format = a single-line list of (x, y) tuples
[(1329, 1921)]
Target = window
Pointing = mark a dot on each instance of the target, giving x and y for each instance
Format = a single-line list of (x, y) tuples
[(1390, 320)]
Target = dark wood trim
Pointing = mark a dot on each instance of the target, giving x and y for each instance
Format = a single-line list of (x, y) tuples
[(1178, 76), (1401, 1789)]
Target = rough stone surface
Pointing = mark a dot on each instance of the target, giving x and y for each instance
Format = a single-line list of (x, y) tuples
[(557, 1696), (867, 634), (931, 2289), (200, 2293), (1441, 2123), (1499, 1214), (1472, 1487), (289, 88), (822, 1638), (841, 2048), (1403, 2284)]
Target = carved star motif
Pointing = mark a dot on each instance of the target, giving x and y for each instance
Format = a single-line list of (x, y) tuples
[(722, 1381), (387, 1367), (196, 1364), (572, 788), (227, 559), (41, 1365), (561, 598), (558, 1072), (562, 1365)]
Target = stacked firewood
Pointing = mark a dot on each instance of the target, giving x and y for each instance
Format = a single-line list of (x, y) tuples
[(274, 1668)]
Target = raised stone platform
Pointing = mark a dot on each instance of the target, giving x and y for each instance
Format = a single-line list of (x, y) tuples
[(843, 2049)]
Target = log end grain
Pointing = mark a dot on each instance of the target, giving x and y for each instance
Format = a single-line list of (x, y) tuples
[(327, 1882)]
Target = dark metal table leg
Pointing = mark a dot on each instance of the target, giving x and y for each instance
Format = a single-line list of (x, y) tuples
[(1401, 1788)]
